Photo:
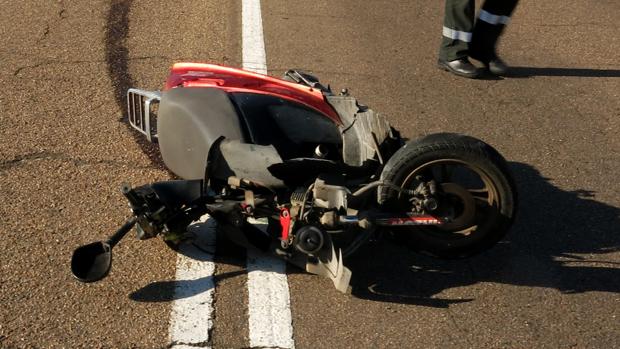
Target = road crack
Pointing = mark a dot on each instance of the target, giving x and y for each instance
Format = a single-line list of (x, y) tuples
[(204, 344), (459, 329), (25, 158), (46, 32), (117, 59)]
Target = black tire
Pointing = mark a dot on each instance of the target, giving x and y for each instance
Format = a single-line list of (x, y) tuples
[(493, 205)]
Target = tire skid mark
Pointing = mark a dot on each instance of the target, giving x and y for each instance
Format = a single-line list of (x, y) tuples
[(191, 318), (117, 60)]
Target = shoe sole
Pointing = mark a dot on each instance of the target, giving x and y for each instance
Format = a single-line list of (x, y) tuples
[(447, 68), (487, 67), (498, 72)]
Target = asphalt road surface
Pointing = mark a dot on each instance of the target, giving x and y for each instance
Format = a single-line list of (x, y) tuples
[(65, 148)]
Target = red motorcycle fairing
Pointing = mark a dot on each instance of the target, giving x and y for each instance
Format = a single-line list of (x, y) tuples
[(237, 80)]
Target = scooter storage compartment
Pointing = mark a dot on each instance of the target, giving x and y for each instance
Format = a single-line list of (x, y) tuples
[(189, 121)]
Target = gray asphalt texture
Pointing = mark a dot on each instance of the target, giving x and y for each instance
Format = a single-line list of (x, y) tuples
[(65, 148)]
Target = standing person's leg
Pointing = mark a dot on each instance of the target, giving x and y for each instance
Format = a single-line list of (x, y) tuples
[(492, 19), (457, 33), (457, 29)]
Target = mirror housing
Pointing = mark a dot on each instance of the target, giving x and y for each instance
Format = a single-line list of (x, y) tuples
[(92, 262)]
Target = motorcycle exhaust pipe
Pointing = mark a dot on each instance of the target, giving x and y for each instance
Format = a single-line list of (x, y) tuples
[(92, 262)]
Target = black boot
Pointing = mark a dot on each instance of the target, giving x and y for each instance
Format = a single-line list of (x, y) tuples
[(460, 67), (497, 67)]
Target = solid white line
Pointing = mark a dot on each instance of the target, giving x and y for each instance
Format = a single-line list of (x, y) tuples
[(269, 305), (192, 309), (254, 56)]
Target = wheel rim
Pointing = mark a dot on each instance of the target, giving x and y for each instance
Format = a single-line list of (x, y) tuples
[(467, 188)]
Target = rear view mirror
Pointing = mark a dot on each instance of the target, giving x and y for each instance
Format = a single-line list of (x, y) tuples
[(92, 262)]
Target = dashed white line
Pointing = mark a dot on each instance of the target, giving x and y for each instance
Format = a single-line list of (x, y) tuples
[(269, 306), (192, 310), (269, 310)]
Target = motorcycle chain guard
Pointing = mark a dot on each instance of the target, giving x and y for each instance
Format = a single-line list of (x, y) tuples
[(330, 265)]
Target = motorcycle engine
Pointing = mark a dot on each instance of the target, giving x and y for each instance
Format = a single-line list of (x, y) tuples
[(327, 198)]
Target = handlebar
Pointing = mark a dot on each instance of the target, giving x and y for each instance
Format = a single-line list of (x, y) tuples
[(122, 231)]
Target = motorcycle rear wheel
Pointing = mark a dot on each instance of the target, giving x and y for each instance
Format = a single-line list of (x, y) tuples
[(476, 185)]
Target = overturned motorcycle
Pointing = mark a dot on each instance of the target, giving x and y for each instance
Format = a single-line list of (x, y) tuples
[(324, 171)]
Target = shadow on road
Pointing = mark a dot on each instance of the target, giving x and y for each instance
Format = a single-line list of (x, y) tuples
[(167, 291), (526, 72), (201, 248), (559, 241), (555, 243)]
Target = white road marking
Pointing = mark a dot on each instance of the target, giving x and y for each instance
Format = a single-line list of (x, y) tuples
[(270, 321), (192, 310), (254, 56), (269, 304)]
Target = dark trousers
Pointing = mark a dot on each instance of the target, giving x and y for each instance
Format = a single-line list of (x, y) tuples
[(461, 38)]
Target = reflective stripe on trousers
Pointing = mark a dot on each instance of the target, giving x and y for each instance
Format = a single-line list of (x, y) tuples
[(456, 34)]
